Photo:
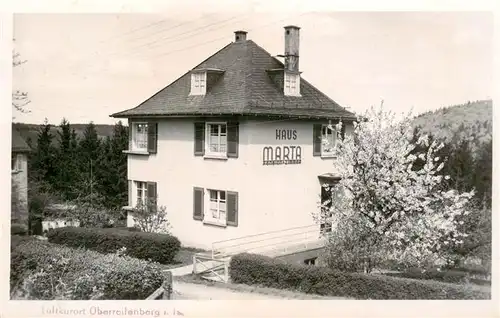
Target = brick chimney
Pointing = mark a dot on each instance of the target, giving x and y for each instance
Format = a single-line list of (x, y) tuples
[(240, 36), (292, 39)]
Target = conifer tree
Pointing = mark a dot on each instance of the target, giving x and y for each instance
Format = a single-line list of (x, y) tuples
[(43, 158)]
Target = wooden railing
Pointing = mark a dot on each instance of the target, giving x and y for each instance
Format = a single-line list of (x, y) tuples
[(165, 290), (266, 241)]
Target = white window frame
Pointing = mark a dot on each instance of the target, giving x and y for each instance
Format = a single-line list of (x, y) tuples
[(327, 150), (198, 83), (141, 186), (292, 84), (310, 261), (216, 209), (135, 142), (222, 140)]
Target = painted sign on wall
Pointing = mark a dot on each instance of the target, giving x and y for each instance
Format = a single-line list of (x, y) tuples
[(282, 155)]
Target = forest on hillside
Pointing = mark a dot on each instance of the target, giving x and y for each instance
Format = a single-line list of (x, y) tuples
[(472, 121)]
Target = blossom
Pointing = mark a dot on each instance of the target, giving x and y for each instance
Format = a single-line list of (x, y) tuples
[(382, 188)]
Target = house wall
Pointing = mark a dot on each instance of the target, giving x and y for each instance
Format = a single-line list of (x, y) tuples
[(271, 198), (20, 179)]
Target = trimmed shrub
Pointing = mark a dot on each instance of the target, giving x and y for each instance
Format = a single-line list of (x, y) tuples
[(18, 229), (455, 275), (160, 248), (265, 271), (37, 266)]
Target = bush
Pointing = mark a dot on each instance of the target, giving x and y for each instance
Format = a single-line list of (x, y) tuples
[(41, 270), (161, 248), (268, 272), (18, 229), (453, 275)]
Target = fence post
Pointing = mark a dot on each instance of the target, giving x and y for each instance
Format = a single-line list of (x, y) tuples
[(194, 263), (167, 286)]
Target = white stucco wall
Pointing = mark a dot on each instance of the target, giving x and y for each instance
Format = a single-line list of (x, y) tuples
[(270, 197)]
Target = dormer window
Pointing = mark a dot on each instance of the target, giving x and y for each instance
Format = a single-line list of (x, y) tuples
[(198, 83), (292, 84)]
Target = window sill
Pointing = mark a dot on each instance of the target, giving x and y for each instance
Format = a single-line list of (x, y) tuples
[(127, 208), (328, 156), (136, 152), (213, 223), (215, 156)]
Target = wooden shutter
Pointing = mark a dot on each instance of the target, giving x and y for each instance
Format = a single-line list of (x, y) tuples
[(317, 140), (342, 131), (199, 138), (232, 139), (152, 195), (130, 189), (152, 137), (198, 203), (130, 133), (232, 208)]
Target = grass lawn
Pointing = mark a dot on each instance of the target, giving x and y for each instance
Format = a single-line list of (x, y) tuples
[(184, 257), (194, 279)]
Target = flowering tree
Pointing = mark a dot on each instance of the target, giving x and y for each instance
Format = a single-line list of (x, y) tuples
[(394, 208), (148, 217)]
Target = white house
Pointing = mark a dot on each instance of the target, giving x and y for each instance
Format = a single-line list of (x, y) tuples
[(233, 147)]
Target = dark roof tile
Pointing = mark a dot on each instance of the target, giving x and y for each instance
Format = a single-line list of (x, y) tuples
[(18, 142)]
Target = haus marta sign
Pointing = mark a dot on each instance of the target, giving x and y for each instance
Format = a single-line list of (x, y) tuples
[(282, 155)]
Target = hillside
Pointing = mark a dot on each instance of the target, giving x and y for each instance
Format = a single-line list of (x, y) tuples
[(472, 120), (30, 131)]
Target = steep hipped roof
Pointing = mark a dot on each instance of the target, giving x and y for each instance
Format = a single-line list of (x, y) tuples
[(18, 143), (245, 88)]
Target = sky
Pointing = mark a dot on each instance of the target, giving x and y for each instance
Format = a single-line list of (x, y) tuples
[(85, 67)]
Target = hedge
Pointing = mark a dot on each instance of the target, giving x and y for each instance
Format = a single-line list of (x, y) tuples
[(161, 248), (18, 229), (456, 275), (121, 278), (265, 271)]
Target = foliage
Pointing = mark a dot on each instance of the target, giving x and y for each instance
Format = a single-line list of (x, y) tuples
[(404, 212), (151, 218), (445, 275), (160, 248), (46, 271), (76, 169), (261, 270), (111, 170), (42, 165), (472, 121), (18, 229), (38, 201)]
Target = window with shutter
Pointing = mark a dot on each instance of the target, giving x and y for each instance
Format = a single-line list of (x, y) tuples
[(141, 192), (198, 197), (216, 140), (328, 140), (199, 138), (217, 207), (140, 137)]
